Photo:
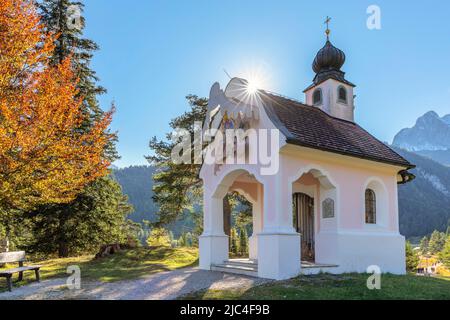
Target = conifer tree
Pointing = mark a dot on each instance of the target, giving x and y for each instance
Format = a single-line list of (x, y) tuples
[(234, 241), (437, 241), (181, 241), (97, 217), (64, 18), (444, 255), (243, 241), (178, 187), (412, 258), (188, 239), (45, 156), (424, 245)]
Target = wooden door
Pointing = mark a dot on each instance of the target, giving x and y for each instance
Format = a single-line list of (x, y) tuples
[(304, 224)]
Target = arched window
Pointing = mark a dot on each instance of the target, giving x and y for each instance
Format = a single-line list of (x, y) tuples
[(317, 97), (371, 207), (342, 94)]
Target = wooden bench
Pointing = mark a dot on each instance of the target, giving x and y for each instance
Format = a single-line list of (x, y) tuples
[(13, 257)]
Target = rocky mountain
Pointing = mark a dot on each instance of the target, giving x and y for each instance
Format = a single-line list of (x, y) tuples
[(446, 119), (430, 137), (424, 204)]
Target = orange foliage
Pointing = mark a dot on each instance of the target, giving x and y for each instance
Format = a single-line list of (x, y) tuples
[(44, 156)]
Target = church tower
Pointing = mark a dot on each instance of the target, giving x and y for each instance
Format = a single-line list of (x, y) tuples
[(330, 91)]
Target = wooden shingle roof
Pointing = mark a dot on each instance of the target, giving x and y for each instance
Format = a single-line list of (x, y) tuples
[(311, 127)]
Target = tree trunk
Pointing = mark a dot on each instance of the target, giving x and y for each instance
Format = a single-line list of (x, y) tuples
[(63, 246), (63, 250), (6, 245), (226, 216), (7, 238)]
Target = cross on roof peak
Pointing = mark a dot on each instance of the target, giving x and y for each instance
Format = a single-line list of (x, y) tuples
[(327, 22)]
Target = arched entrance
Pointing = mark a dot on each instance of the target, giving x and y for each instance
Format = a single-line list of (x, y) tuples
[(214, 243), (314, 209)]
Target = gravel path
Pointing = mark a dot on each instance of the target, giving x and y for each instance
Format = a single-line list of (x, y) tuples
[(159, 286)]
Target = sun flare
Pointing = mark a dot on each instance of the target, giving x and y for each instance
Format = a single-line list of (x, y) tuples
[(257, 76)]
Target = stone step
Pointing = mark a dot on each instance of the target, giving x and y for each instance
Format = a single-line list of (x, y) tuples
[(242, 262), (236, 269), (310, 265)]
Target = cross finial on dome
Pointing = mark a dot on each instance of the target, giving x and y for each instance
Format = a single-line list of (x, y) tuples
[(327, 22)]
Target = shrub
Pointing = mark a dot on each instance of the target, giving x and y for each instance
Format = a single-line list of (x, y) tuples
[(159, 237)]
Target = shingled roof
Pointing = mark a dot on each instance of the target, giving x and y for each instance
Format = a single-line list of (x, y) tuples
[(311, 127)]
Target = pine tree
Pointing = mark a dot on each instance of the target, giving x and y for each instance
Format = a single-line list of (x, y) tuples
[(437, 241), (178, 186), (188, 239), (243, 241), (97, 217), (234, 242), (181, 241), (412, 258), (45, 157), (444, 255), (171, 238), (424, 245), (64, 18)]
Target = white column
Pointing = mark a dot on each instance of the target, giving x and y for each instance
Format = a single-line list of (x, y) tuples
[(278, 243), (213, 243)]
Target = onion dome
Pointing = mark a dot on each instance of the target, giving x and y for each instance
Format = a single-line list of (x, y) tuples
[(328, 58), (328, 62)]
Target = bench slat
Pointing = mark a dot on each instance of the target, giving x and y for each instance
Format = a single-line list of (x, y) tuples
[(17, 270), (10, 257)]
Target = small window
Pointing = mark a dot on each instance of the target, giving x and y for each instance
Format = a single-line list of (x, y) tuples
[(317, 97), (342, 95), (371, 207)]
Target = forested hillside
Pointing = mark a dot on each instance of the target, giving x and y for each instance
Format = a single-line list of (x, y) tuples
[(424, 204), (137, 183)]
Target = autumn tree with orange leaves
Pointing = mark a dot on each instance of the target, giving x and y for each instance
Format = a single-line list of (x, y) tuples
[(44, 155)]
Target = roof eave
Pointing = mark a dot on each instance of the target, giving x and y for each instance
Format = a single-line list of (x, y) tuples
[(318, 83), (398, 164)]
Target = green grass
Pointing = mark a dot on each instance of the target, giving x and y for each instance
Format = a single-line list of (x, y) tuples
[(337, 287), (127, 264)]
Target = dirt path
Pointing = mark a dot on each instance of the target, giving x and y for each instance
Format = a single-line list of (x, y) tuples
[(160, 286)]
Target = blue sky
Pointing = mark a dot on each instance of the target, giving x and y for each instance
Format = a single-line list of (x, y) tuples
[(154, 53)]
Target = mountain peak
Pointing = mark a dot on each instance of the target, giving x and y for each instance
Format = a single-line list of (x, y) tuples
[(428, 118), (430, 114), (446, 119), (430, 133)]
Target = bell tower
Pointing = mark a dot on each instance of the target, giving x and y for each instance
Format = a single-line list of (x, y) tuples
[(330, 91)]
